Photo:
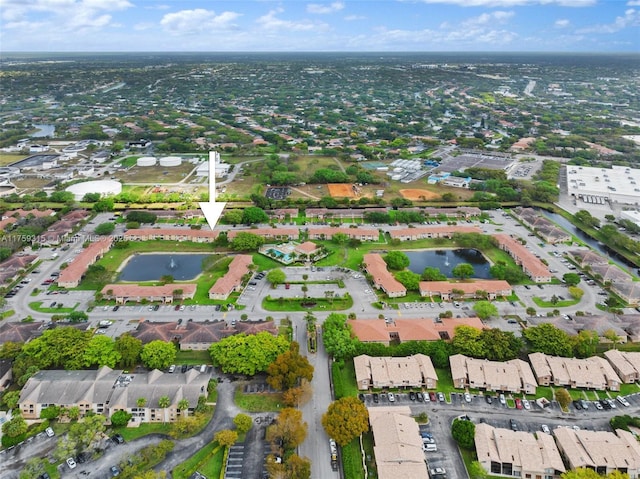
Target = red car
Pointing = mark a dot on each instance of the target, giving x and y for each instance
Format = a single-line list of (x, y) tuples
[(432, 396), (518, 403)]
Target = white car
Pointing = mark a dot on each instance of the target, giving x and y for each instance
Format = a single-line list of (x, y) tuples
[(49, 432), (71, 463), (467, 397), (392, 398), (526, 404)]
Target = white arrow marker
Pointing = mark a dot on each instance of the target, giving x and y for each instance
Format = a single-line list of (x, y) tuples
[(212, 209)]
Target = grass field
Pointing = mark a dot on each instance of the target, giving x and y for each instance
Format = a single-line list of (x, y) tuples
[(37, 306), (207, 461), (259, 402), (8, 158), (155, 174)]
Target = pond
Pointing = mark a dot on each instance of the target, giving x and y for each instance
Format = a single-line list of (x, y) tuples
[(447, 259), (44, 131), (152, 267)]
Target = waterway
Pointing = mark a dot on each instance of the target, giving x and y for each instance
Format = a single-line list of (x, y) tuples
[(44, 131), (588, 240), (447, 259)]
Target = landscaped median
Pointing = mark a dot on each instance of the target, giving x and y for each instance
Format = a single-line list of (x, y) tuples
[(307, 304)]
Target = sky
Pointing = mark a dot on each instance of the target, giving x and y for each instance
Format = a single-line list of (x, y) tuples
[(322, 26)]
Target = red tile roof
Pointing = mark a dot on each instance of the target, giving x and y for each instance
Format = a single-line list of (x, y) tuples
[(377, 268), (73, 273), (468, 287), (530, 264), (238, 267), (409, 329)]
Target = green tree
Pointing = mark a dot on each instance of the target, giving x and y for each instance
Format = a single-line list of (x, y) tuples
[(463, 432), (408, 279), (183, 406), (571, 279), (129, 349), (164, 402), (346, 419), (463, 271), (396, 260), (298, 467), (276, 277), (253, 215), (233, 217), (244, 241), (141, 402), (289, 369), (340, 238), (226, 437), (34, 467), (103, 205), (100, 351), (14, 427), (105, 228), (563, 397), (158, 354), (467, 341), (485, 309), (61, 348), (548, 339), (120, 418), (500, 345), (243, 423), (78, 317), (585, 343), (247, 354), (530, 311), (476, 471), (575, 292), (583, 473), (11, 399), (431, 273), (337, 337), (289, 428)]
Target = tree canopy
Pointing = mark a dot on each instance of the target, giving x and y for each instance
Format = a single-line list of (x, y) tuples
[(346, 419), (244, 241), (276, 277), (463, 270), (396, 260), (463, 431), (289, 429), (158, 354), (548, 339), (336, 336), (289, 369), (493, 344), (248, 354), (485, 309), (253, 215)]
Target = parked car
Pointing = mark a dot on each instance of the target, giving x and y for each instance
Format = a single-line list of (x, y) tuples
[(623, 401), (518, 403), (577, 405), (489, 399), (432, 397), (420, 397), (513, 424), (392, 397), (117, 438), (502, 399), (71, 462), (412, 396), (376, 398), (545, 429), (584, 403), (598, 405), (526, 404), (441, 397), (467, 397), (115, 471), (49, 432)]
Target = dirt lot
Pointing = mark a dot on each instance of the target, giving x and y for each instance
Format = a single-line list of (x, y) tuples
[(341, 190), (418, 195), (155, 174)]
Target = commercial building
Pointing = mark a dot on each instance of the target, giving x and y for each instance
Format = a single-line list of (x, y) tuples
[(447, 290), (415, 371), (618, 184), (397, 444), (409, 329), (105, 391), (232, 280), (589, 373), (509, 376), (602, 451), (71, 275), (532, 266), (382, 279), (517, 453), (166, 293)]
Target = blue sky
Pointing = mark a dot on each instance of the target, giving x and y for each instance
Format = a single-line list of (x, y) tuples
[(342, 25)]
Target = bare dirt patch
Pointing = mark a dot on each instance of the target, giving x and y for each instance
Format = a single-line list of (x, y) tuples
[(342, 190), (418, 195)]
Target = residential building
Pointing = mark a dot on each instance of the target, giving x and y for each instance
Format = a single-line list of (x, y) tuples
[(105, 391), (280, 234), (232, 280), (543, 227), (503, 452), (397, 444), (532, 266), (11, 332), (382, 279), (71, 275), (625, 364), (447, 290), (425, 232), (171, 234), (409, 329), (327, 232), (508, 376), (166, 293), (15, 265), (6, 374), (415, 371), (602, 451), (589, 373)]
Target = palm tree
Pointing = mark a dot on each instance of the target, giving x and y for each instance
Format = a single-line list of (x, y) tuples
[(141, 402), (183, 406), (164, 402)]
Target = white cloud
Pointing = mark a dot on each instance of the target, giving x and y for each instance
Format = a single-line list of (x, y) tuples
[(353, 18), (631, 18), (562, 23), (633, 3), (187, 22), (514, 3), (271, 22), (320, 8), (491, 18)]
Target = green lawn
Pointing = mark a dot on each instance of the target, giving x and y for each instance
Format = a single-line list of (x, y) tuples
[(352, 460), (258, 402), (37, 306), (560, 304), (193, 357), (294, 304), (131, 433), (344, 379), (445, 381), (367, 442), (207, 461), (626, 389)]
